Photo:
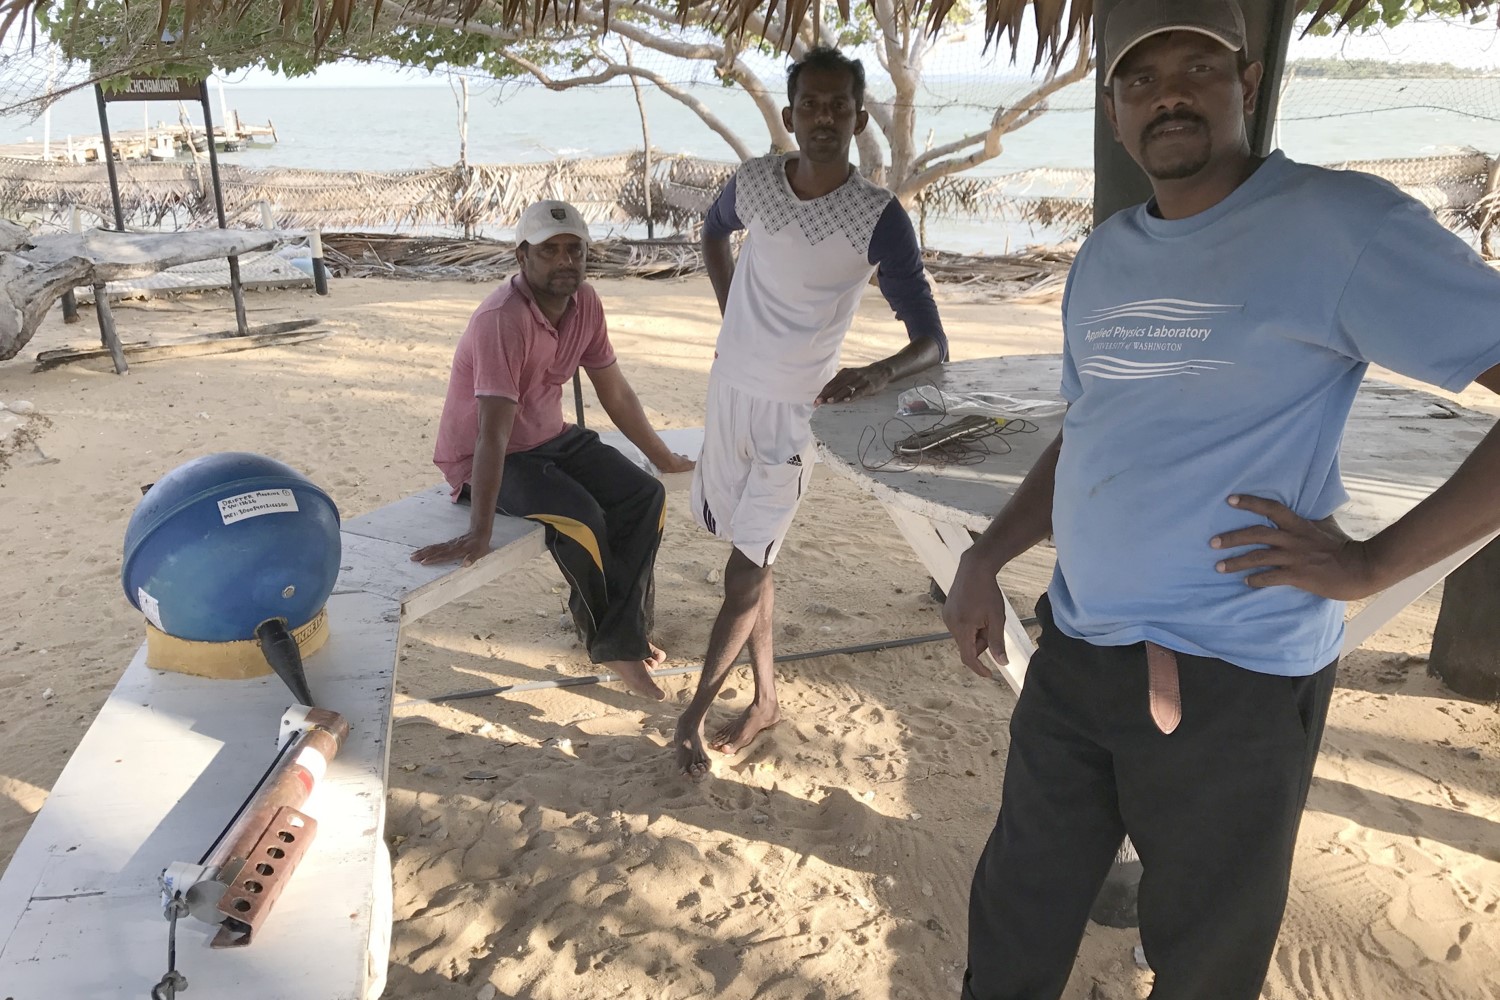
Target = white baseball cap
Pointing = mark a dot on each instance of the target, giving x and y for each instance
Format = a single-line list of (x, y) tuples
[(545, 219)]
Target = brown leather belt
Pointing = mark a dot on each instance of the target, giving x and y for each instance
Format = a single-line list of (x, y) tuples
[(1161, 679)]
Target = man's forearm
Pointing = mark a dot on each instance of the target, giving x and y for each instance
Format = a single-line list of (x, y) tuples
[(626, 413), (484, 484), (1026, 520), (718, 259), (917, 356)]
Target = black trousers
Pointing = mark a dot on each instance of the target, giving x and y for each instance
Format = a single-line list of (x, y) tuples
[(603, 518), (1212, 809)]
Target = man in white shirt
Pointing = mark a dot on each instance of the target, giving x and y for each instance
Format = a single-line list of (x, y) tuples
[(815, 232)]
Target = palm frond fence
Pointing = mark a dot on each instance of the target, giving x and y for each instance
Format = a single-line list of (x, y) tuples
[(1460, 188)]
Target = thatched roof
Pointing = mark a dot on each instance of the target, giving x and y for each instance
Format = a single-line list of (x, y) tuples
[(1057, 22)]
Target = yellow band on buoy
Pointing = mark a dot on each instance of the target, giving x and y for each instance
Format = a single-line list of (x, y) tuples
[(225, 661)]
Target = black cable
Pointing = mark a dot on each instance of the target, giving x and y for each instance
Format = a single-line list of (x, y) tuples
[(587, 679), (173, 982), (245, 802)]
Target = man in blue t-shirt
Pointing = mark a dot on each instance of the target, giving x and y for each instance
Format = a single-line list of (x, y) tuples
[(1214, 341)]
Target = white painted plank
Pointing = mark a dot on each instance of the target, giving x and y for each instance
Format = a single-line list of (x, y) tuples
[(153, 781), (686, 441), (427, 517), (378, 548), (939, 556), (1018, 644), (383, 567)]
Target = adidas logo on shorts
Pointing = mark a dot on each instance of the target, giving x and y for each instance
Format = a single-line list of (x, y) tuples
[(795, 460)]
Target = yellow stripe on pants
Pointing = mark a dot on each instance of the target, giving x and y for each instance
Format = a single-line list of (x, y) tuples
[(576, 530)]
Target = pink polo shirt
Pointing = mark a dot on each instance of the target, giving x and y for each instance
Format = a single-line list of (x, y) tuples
[(511, 350)]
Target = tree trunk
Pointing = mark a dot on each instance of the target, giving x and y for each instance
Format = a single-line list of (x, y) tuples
[(1466, 642), (1490, 202)]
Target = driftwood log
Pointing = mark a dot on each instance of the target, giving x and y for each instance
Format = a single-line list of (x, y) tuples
[(35, 272), (27, 291), (12, 236)]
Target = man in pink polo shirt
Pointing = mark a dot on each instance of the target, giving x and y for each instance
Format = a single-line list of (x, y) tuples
[(504, 447)]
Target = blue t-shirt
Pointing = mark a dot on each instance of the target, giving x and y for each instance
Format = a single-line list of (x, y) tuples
[(1220, 354)]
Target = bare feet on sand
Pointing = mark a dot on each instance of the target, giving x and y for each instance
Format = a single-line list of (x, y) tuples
[(658, 655), (692, 757), (737, 735), (637, 676)]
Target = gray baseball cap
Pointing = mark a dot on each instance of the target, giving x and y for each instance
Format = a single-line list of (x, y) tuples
[(545, 219), (1134, 21)]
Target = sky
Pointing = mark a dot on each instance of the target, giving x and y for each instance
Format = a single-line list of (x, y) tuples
[(1466, 45)]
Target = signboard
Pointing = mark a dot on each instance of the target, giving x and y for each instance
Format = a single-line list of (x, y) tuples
[(153, 88)]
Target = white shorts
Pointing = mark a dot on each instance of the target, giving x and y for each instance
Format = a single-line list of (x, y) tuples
[(755, 467)]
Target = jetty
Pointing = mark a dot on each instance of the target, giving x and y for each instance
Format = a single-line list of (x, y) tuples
[(163, 142)]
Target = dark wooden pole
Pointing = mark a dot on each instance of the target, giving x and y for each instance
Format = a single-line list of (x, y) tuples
[(1466, 641), (235, 289), (108, 336)]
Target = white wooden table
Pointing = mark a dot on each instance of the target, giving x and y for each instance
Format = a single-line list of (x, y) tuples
[(1400, 444), (170, 756)]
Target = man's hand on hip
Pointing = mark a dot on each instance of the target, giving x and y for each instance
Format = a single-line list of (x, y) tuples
[(465, 548), (1315, 556)]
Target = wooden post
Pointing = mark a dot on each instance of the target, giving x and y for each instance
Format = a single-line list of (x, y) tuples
[(640, 105), (1467, 636), (463, 144), (109, 160), (235, 290), (108, 336), (320, 269), (69, 300), (107, 333), (1489, 204)]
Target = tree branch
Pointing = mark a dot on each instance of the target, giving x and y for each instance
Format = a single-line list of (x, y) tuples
[(613, 70), (722, 57), (927, 168)]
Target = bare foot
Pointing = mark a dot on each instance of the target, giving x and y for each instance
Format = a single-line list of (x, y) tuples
[(658, 655), (692, 758), (740, 733), (637, 676)]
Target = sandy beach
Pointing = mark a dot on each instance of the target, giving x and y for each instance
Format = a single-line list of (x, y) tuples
[(544, 846)]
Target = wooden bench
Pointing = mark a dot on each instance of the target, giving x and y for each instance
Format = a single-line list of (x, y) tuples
[(170, 757)]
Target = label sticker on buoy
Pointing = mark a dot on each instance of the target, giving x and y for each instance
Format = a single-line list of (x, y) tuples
[(150, 607), (246, 505)]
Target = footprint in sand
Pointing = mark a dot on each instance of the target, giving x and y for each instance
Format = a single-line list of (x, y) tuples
[(936, 729)]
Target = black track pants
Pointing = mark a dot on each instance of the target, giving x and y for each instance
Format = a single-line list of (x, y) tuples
[(603, 517), (1212, 809)]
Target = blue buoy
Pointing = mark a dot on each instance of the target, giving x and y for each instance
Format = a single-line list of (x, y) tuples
[(227, 542)]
